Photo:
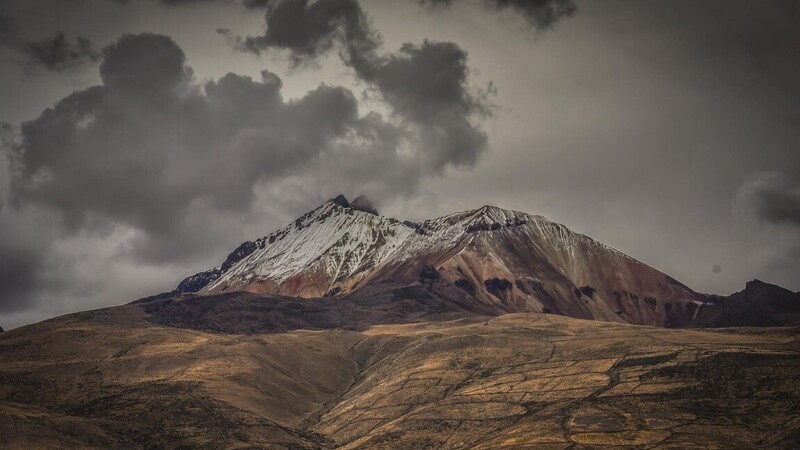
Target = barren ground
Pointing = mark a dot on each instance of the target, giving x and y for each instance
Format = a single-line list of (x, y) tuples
[(114, 378)]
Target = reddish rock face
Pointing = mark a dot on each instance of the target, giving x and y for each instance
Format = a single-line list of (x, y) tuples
[(506, 261), (488, 260)]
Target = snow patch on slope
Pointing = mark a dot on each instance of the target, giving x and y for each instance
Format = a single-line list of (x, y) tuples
[(342, 242), (343, 239)]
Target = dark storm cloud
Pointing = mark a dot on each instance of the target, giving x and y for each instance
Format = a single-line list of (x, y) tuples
[(773, 197), (9, 31), (184, 2), (20, 265), (426, 85), (20, 258), (22, 245), (171, 2), (57, 53), (253, 4), (257, 3), (18, 268), (150, 150), (540, 14), (309, 28), (54, 52), (147, 64)]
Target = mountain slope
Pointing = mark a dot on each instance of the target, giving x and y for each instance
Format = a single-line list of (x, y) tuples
[(321, 252), (114, 378), (489, 260), (510, 261)]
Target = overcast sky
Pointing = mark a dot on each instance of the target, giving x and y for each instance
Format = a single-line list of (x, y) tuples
[(143, 140)]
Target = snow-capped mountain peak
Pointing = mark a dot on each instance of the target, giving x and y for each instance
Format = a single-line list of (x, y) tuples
[(502, 259), (322, 247)]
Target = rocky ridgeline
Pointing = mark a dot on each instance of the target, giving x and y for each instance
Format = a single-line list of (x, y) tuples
[(488, 260)]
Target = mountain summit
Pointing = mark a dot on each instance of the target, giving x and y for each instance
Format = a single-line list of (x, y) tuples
[(488, 260)]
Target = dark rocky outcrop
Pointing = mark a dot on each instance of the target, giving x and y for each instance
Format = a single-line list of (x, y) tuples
[(341, 200), (496, 286), (465, 285), (418, 227), (429, 274), (494, 226), (237, 255), (200, 280)]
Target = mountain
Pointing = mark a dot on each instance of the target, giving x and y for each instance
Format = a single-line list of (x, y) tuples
[(349, 330), (487, 260), (758, 304)]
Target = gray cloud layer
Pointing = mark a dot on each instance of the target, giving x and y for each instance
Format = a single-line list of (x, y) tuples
[(426, 85), (21, 262), (150, 150), (309, 29), (770, 201), (772, 197), (54, 52), (540, 14)]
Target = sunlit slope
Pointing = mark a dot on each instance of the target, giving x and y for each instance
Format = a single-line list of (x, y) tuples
[(113, 378)]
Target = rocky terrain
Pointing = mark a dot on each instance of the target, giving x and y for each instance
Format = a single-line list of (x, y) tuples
[(118, 378)]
